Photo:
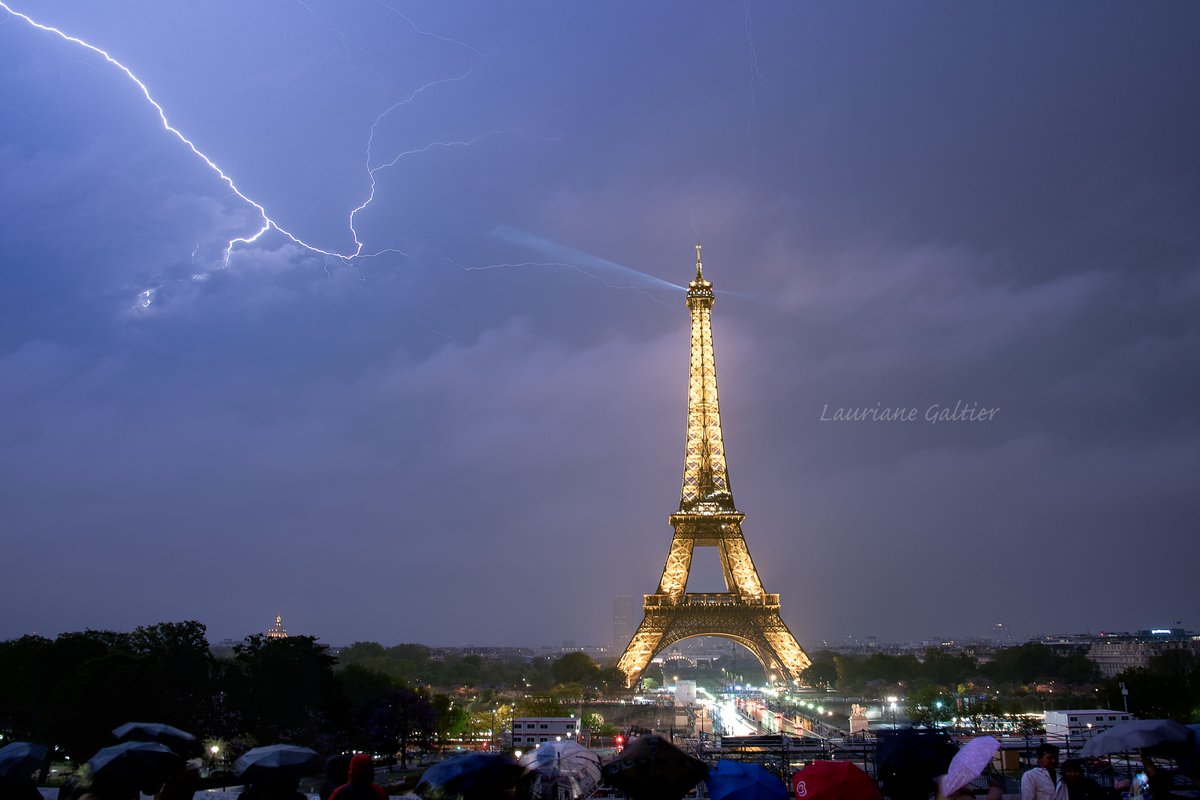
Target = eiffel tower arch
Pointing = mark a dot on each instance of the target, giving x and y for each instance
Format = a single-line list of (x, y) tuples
[(707, 517)]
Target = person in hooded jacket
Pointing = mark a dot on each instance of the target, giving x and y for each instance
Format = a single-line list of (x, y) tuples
[(362, 784)]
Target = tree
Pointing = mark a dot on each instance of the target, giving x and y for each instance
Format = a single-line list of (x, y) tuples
[(400, 719), (1024, 663), (947, 669), (611, 680), (284, 688), (567, 692), (927, 707), (576, 668), (540, 706), (822, 673), (1168, 687), (451, 719), (180, 668)]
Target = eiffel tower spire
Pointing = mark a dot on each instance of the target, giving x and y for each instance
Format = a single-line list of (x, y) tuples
[(705, 476), (744, 612)]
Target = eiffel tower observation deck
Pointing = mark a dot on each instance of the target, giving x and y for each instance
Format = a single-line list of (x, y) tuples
[(707, 517)]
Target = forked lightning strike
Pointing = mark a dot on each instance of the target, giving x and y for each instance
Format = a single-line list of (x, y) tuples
[(267, 222)]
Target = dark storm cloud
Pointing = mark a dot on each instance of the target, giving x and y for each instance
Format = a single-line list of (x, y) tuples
[(908, 205)]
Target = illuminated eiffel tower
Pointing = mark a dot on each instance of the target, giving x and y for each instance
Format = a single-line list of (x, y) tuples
[(708, 518)]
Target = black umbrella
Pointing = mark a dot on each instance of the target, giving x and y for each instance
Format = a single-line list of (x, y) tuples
[(277, 763), (182, 742), (134, 764), (471, 776), (20, 759), (654, 769), (909, 760)]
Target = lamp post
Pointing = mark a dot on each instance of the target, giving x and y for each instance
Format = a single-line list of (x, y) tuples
[(892, 700)]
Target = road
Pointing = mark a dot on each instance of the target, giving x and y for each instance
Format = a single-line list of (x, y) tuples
[(727, 721)]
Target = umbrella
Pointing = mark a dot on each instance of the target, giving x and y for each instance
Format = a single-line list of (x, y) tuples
[(968, 764), (1130, 736), (277, 763), (19, 759), (910, 759), (477, 776), (178, 740), (557, 768), (834, 780), (134, 764), (653, 768), (735, 780)]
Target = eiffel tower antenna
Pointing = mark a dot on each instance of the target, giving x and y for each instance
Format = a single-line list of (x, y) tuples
[(707, 517)]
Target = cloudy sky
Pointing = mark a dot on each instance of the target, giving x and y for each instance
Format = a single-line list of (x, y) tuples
[(473, 431)]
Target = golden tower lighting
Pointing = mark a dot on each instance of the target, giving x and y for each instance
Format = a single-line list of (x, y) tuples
[(707, 517)]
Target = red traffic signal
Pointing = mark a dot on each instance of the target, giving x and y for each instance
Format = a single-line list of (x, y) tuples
[(620, 740)]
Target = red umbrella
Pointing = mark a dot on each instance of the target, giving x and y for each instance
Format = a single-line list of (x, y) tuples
[(833, 780)]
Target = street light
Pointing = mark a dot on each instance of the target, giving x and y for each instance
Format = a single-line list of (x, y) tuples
[(892, 700)]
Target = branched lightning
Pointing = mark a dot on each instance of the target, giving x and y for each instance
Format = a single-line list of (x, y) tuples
[(267, 222), (582, 263), (430, 34), (757, 79)]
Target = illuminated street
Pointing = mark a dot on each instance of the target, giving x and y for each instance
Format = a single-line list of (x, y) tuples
[(726, 719)]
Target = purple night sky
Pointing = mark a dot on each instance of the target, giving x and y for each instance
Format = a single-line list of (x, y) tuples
[(474, 432)]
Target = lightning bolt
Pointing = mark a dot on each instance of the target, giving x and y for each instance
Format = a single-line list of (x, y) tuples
[(267, 222), (757, 79)]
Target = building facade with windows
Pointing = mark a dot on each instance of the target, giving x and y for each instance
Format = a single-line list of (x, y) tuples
[(1081, 724), (528, 732)]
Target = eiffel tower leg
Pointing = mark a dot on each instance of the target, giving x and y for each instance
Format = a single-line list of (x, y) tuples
[(778, 639), (646, 642), (735, 559), (679, 564)]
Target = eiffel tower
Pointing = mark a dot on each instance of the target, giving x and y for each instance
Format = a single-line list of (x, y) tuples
[(707, 517)]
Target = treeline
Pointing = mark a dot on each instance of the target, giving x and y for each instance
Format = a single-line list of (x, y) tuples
[(1024, 664), (1023, 679), (1168, 688), (71, 691), (575, 673)]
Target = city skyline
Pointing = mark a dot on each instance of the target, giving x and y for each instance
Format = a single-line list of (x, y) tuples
[(957, 271)]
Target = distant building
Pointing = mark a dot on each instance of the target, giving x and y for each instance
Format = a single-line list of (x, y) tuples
[(1115, 654), (1081, 724), (277, 631), (627, 613), (529, 732)]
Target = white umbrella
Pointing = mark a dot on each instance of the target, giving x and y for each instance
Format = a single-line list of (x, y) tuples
[(1130, 736), (968, 764), (567, 765)]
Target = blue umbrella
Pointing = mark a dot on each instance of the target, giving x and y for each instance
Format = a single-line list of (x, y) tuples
[(735, 780), (19, 759)]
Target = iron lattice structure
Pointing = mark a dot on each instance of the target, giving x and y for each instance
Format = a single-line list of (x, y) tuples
[(707, 517)]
